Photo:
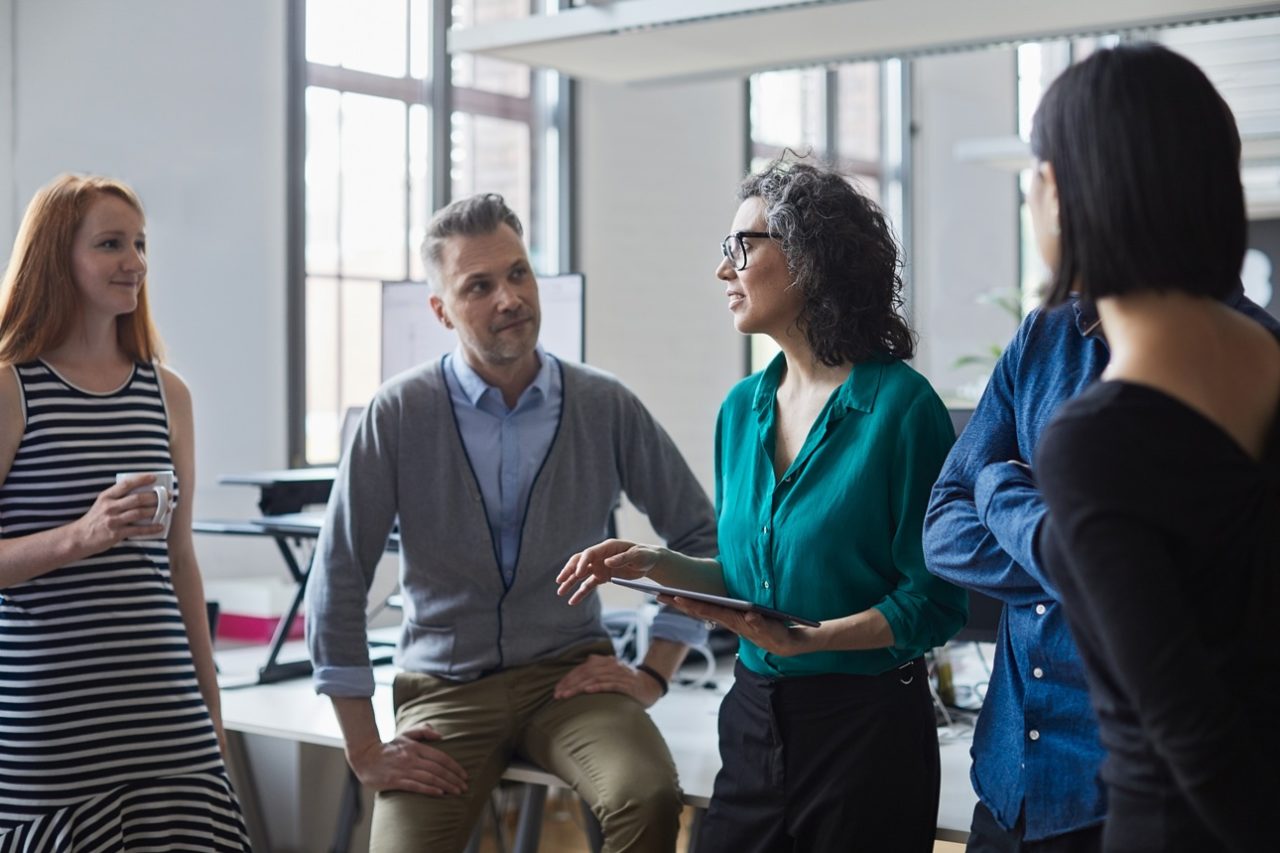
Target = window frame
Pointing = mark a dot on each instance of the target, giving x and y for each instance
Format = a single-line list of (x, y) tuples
[(547, 109)]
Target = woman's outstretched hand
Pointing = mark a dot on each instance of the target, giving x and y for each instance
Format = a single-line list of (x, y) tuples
[(602, 563)]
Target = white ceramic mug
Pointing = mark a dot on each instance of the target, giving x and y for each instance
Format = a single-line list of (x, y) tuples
[(165, 500)]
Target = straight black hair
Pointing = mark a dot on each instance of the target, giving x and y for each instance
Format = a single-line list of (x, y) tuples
[(1146, 156)]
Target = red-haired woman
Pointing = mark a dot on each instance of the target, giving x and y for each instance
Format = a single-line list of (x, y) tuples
[(109, 727)]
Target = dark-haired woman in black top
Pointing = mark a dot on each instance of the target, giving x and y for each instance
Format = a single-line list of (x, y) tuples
[(1163, 479)]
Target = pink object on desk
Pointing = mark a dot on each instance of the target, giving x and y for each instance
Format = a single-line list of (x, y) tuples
[(255, 629)]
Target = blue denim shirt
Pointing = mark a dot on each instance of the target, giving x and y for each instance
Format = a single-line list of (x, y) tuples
[(1036, 744)]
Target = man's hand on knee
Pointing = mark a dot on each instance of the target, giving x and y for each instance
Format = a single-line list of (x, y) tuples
[(408, 763), (607, 674)]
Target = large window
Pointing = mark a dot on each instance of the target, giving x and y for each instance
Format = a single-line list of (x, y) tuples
[(1240, 57), (849, 116), (393, 128)]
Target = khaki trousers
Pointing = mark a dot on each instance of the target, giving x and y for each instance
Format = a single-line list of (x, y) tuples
[(604, 745)]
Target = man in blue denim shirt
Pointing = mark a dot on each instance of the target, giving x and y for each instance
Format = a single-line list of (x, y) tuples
[(1036, 752)]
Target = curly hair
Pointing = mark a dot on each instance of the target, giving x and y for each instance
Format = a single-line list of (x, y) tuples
[(842, 256)]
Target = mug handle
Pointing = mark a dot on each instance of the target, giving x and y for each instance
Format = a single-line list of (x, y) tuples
[(162, 504)]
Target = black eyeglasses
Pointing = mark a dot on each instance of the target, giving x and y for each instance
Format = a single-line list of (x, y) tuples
[(736, 251)]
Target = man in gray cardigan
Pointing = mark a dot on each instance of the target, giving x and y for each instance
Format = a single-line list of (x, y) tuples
[(500, 462)]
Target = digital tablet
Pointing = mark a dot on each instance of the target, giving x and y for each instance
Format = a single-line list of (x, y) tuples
[(735, 603)]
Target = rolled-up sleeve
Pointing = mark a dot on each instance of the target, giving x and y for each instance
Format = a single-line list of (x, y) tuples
[(358, 520)]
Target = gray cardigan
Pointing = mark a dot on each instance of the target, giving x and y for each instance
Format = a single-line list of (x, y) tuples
[(460, 621)]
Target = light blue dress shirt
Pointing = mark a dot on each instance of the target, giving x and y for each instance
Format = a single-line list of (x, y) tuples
[(505, 446)]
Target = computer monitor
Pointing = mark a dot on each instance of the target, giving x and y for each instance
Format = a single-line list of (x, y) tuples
[(984, 619), (411, 334), (959, 417), (984, 611)]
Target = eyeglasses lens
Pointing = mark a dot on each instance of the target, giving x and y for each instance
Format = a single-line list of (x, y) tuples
[(733, 250)]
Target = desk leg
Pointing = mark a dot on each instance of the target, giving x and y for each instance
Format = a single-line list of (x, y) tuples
[(348, 814), (695, 826), (529, 829), (591, 826), (272, 671), (241, 773)]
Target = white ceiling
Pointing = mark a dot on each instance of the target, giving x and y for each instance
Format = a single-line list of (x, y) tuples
[(636, 41)]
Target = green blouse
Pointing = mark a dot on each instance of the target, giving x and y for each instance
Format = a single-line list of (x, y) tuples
[(840, 532)]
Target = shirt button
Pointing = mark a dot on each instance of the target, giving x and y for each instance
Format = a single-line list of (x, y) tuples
[(1034, 734), (1040, 609), (1038, 672), (766, 584), (764, 529)]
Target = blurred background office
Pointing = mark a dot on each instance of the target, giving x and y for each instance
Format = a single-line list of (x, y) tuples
[(289, 153)]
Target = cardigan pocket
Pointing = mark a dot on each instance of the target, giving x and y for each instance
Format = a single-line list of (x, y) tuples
[(431, 645)]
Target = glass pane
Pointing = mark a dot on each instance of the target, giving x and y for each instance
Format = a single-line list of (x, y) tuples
[(368, 36), (758, 164), (324, 31), (491, 155), (763, 350), (373, 187), (544, 237), (868, 185), (419, 185), (377, 37), (491, 75), (486, 11), (1030, 86), (1034, 274), (1039, 63), (321, 176), (858, 111), (420, 38), (361, 350), (788, 109), (323, 415)]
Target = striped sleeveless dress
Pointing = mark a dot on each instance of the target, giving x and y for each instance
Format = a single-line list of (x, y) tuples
[(105, 741)]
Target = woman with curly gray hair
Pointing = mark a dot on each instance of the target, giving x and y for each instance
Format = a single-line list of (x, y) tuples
[(824, 462)]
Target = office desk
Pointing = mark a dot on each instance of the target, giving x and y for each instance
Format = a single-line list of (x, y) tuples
[(287, 490), (283, 497), (686, 717)]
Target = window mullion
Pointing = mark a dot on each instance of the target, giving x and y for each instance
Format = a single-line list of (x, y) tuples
[(441, 104)]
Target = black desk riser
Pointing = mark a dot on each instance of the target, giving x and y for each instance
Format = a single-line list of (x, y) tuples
[(284, 496)]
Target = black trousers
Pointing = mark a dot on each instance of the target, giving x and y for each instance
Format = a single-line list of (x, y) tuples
[(1164, 821), (988, 836), (826, 763)]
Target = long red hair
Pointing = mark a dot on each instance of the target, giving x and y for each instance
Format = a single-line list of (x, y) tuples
[(39, 301)]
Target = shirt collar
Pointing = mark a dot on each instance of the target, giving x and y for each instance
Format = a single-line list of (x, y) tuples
[(474, 387), (1087, 313), (858, 391)]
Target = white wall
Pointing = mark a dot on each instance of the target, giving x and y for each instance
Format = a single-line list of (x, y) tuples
[(657, 170), (185, 100), (7, 61), (966, 214)]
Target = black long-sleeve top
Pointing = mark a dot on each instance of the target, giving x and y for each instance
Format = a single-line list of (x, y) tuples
[(1163, 536)]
